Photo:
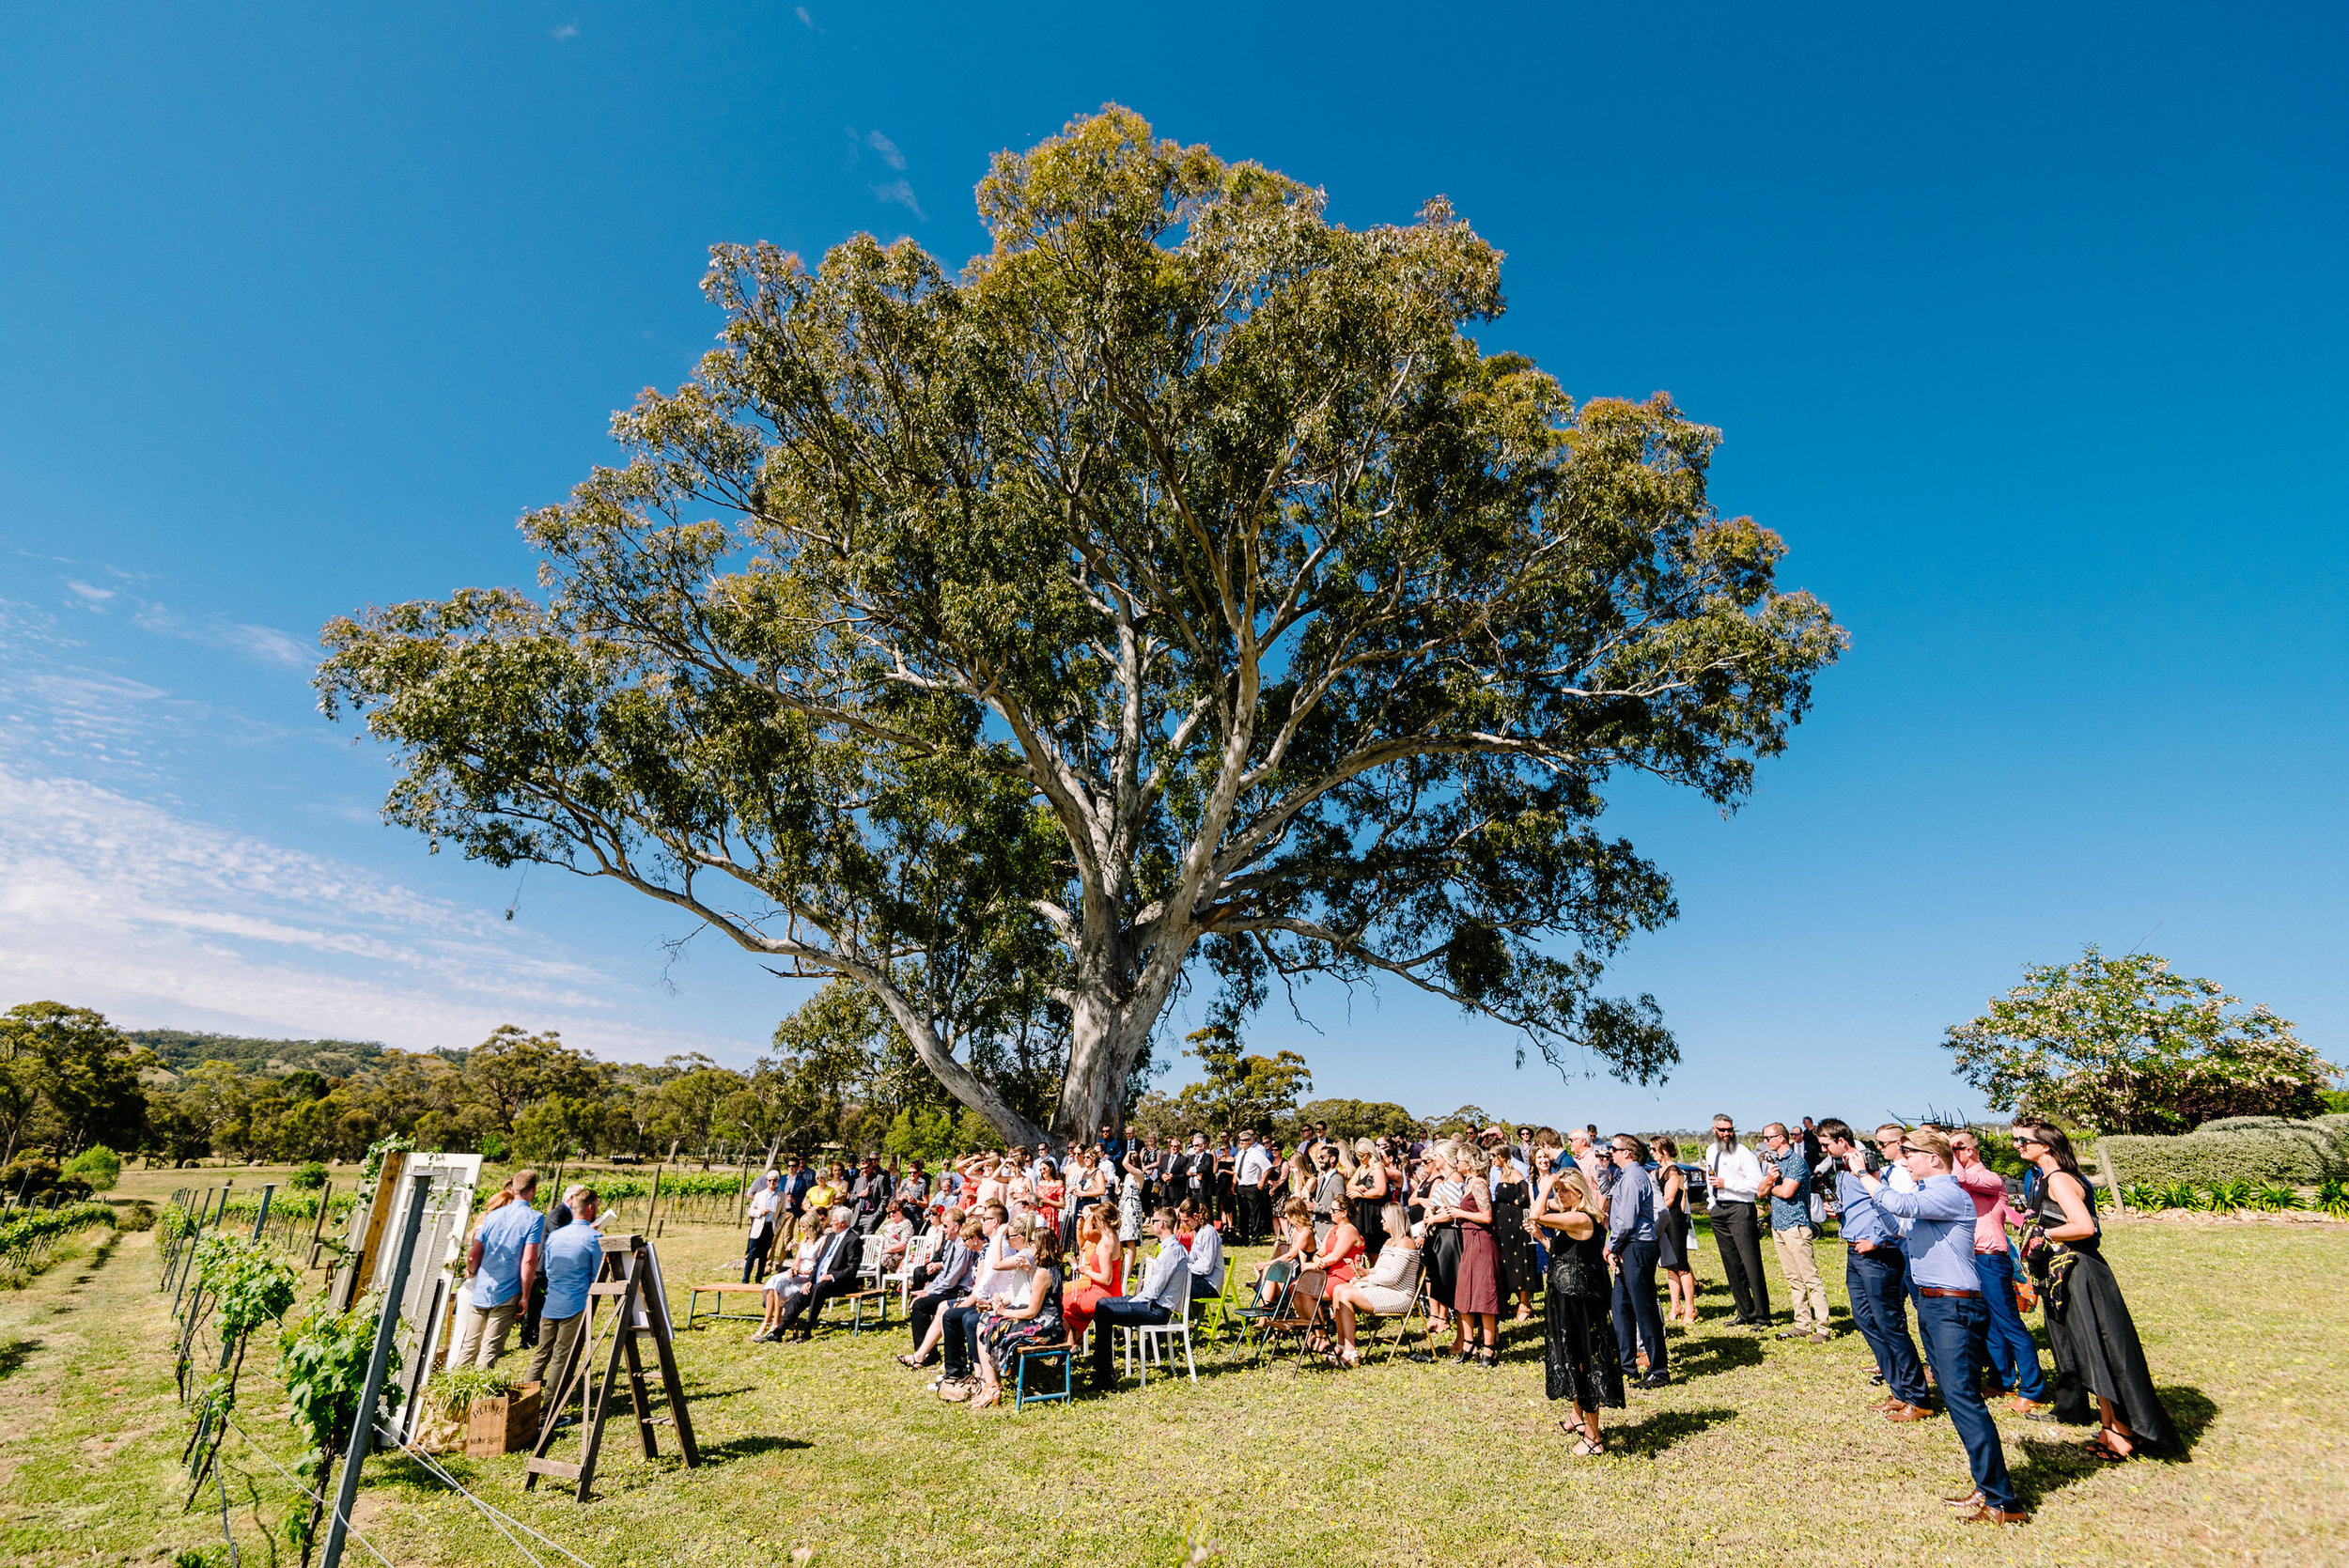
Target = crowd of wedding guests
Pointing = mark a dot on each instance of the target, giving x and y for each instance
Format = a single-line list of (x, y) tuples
[(1022, 1249)]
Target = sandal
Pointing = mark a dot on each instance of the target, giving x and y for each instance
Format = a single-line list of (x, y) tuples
[(913, 1361), (2100, 1447), (1585, 1448)]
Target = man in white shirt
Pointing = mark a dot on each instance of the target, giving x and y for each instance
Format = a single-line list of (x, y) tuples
[(1206, 1257), (1248, 1172), (1165, 1288), (1733, 1178)]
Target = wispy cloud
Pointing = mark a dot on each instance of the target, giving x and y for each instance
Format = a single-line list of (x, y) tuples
[(901, 192), (262, 643), (805, 20), (887, 149), (94, 596), (568, 30), (132, 906)]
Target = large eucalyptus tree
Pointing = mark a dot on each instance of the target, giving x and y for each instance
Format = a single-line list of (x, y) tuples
[(1179, 592)]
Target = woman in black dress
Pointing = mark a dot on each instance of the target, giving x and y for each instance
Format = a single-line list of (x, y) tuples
[(1578, 1358), (2089, 1327), (1439, 1247), (1366, 1192), (1512, 1199)]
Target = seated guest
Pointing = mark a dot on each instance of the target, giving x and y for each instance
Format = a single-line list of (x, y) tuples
[(1001, 1272), (1296, 1244), (1387, 1291), (1009, 1326), (949, 1225), (949, 1278), (833, 1276), (1330, 1264), (1165, 1288), (1206, 1246), (793, 1275), (897, 1234), (1096, 1271)]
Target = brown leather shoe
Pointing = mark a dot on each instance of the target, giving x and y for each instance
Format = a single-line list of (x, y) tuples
[(1971, 1500), (2027, 1406), (1906, 1413), (1986, 1515)]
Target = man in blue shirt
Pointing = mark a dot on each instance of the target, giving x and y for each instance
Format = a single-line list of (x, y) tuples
[(1875, 1272), (501, 1265), (574, 1256), (1786, 1180), (1631, 1246), (1950, 1313), (1165, 1293)]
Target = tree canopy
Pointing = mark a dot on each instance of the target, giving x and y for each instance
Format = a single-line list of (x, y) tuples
[(2124, 1046), (1180, 592)]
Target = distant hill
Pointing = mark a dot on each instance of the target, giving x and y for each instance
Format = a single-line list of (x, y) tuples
[(181, 1050)]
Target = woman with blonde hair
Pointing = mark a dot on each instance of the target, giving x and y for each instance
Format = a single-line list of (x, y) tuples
[(1579, 1361), (1387, 1291), (1440, 1188), (1366, 1192), (1476, 1291), (1094, 1270)]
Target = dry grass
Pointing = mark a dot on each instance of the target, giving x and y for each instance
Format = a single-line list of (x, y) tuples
[(1760, 1450)]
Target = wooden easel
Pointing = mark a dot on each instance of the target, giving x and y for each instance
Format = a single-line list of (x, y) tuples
[(632, 1277)]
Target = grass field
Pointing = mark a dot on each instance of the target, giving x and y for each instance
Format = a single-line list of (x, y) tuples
[(1759, 1453)]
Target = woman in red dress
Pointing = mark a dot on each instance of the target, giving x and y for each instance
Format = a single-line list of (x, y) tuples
[(1476, 1294), (1096, 1271)]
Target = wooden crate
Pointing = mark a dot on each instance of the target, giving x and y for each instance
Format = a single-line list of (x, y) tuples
[(503, 1425)]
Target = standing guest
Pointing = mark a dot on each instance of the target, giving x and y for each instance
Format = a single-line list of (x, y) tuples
[(1198, 1174), (1113, 1146), (1876, 1271), (1165, 1288), (1129, 1205), (911, 1195), (1581, 1361), (1226, 1168), (1733, 1177), (1587, 1159), (1089, 1184), (1950, 1310), (1632, 1215), (798, 1178), (1476, 1292), (1366, 1195), (499, 1265), (2013, 1352), (1513, 1201), (1249, 1170), (955, 1261), (2089, 1327), (1096, 1271), (766, 1201), (574, 1257), (1672, 1231), (1811, 1150), (1329, 1187), (1788, 1183), (1051, 1193), (1440, 1188)]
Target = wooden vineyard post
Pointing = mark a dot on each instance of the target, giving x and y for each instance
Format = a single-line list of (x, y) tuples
[(631, 1279), (318, 1225)]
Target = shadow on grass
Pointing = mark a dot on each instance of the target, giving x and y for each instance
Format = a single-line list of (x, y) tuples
[(2059, 1458), (746, 1448), (1724, 1353), (15, 1352), (1661, 1430)]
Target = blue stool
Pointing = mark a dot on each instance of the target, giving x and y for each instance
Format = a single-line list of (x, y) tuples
[(1040, 1357)]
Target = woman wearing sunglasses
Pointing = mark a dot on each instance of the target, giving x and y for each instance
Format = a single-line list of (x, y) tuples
[(2089, 1328)]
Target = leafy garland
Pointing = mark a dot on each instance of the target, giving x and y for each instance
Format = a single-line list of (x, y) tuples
[(372, 1166), (322, 1361)]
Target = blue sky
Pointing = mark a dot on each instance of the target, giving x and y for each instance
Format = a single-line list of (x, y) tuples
[(2025, 329)]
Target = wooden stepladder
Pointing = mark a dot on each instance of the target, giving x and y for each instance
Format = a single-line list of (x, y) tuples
[(629, 1278)]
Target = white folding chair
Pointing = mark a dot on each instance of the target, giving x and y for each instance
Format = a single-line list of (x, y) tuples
[(868, 1266), (918, 1252), (1141, 1337)]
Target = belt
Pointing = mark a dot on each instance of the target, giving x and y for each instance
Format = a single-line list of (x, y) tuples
[(1937, 1290)]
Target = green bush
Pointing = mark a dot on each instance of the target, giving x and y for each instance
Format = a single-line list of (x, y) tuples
[(2258, 1149), (140, 1215), (97, 1166), (307, 1177)]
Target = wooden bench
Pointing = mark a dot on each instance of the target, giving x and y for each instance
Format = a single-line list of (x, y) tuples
[(730, 1287), (1041, 1355)]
